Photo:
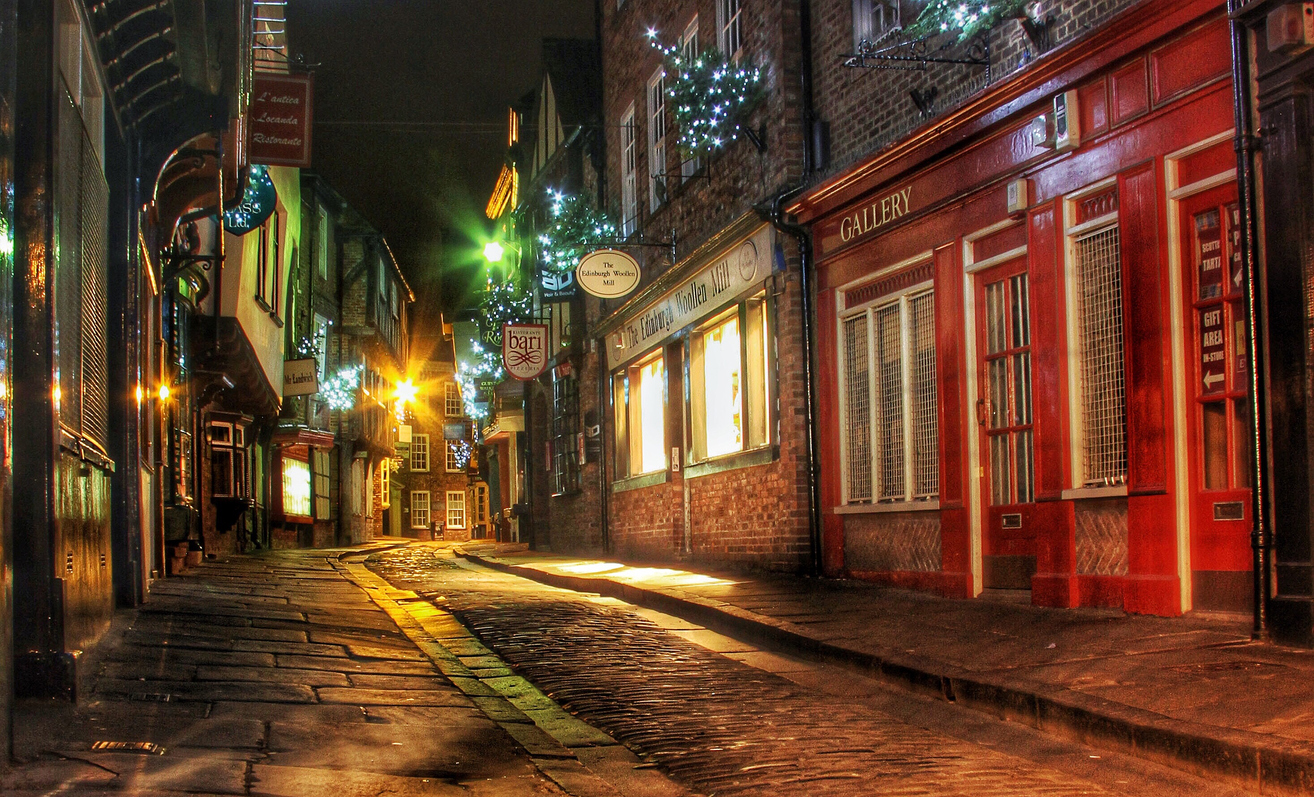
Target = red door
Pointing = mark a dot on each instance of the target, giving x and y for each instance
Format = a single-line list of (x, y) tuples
[(1004, 414), (1218, 413)]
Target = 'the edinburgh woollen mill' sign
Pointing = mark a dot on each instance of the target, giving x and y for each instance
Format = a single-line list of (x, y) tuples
[(280, 120), (607, 273), (524, 350), (300, 377)]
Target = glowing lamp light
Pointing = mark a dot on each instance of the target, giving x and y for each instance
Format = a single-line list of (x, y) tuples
[(405, 392), (164, 392), (141, 395), (493, 252)]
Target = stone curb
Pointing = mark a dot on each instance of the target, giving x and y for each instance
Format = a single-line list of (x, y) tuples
[(1244, 758)]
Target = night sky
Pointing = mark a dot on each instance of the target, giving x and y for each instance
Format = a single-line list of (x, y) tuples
[(411, 98)]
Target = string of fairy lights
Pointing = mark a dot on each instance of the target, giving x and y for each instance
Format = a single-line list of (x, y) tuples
[(575, 229), (966, 19), (711, 96)]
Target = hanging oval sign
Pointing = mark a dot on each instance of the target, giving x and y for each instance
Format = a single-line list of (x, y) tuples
[(607, 273), (259, 198)]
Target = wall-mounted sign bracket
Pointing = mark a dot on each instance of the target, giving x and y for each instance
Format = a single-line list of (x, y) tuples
[(918, 54), (640, 240)]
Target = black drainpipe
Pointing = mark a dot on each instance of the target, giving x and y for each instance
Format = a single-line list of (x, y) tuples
[(1260, 541), (806, 283)]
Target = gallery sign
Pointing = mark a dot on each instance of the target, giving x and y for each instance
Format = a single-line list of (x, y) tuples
[(608, 273), (300, 377), (280, 120), (731, 273), (524, 350)]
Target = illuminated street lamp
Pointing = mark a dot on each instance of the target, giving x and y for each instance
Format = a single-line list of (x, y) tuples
[(493, 252), (405, 392)]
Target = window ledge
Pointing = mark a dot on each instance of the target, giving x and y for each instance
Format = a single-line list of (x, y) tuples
[(641, 481), (740, 459), (894, 506), (262, 304), (1119, 491)]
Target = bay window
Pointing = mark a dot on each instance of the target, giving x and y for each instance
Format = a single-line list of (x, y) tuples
[(890, 431), (639, 398), (729, 391)]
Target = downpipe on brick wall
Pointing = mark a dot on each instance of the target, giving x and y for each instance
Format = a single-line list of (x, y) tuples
[(1260, 539)]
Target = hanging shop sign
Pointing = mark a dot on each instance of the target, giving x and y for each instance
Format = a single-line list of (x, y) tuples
[(558, 286), (259, 198), (280, 120), (457, 430), (732, 272), (524, 350), (608, 273), (300, 377)]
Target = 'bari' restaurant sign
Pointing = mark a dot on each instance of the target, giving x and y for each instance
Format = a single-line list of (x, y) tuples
[(280, 120)]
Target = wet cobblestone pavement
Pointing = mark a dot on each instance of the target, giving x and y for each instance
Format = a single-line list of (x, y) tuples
[(718, 725)]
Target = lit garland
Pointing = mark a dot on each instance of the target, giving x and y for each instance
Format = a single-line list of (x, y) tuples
[(711, 95), (506, 303), (307, 349), (576, 229), (487, 364), (339, 390), (968, 19), (461, 451)]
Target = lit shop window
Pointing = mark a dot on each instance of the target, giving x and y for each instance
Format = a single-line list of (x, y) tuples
[(730, 391), (455, 509), (296, 487), (419, 509), (1102, 390), (639, 393), (887, 379)]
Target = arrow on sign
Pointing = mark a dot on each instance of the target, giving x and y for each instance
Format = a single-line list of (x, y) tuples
[(1237, 279), (1211, 379)]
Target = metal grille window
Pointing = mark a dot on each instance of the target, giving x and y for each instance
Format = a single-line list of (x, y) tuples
[(455, 509), (629, 175), (419, 509), (565, 436), (1103, 378), (727, 15), (420, 452), (657, 139), (891, 429)]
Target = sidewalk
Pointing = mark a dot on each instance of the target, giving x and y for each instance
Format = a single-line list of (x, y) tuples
[(302, 673), (1194, 693)]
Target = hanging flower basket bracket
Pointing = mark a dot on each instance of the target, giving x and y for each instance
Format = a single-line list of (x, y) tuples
[(918, 54)]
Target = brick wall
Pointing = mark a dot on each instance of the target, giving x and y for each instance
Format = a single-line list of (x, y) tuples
[(869, 109)]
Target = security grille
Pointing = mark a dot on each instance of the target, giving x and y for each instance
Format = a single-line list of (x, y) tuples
[(925, 422), (857, 389), (889, 387), (1103, 380)]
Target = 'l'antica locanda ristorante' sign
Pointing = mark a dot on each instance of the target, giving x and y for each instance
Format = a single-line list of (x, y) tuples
[(280, 117)]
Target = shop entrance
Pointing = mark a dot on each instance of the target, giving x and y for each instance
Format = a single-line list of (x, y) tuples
[(1005, 418), (1218, 409)]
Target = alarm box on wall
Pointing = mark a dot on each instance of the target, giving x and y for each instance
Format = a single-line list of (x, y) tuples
[(1290, 27)]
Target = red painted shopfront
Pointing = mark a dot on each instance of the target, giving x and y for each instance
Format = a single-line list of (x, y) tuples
[(1030, 355)]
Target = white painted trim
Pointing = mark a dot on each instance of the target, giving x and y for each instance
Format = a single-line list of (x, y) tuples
[(974, 436), (916, 259), (1222, 178), (888, 508), (1078, 493), (1002, 257), (843, 395), (1072, 355), (1181, 416), (1078, 230), (1201, 145), (1097, 187), (889, 298)]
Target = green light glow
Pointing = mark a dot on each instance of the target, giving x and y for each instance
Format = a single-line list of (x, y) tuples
[(493, 252)]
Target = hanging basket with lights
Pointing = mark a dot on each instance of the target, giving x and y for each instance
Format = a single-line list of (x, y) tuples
[(506, 303), (712, 97), (575, 229), (339, 390), (965, 19)]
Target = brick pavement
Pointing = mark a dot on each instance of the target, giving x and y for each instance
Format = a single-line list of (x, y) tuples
[(1191, 692)]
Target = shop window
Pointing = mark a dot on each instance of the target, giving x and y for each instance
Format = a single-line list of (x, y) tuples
[(657, 139), (452, 406), (565, 435), (296, 487), (890, 429), (639, 396), (453, 459), (323, 484), (727, 19), (730, 393), (689, 49), (420, 452), (1102, 389), (629, 175), (419, 509), (455, 509)]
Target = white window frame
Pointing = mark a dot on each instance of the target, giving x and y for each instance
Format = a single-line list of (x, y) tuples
[(1074, 232), (629, 174), (689, 49), (420, 452), (629, 411), (385, 484), (420, 509), (321, 238), (755, 377), (878, 497), (455, 509), (452, 405), (449, 456), (872, 20), (657, 138), (729, 32)]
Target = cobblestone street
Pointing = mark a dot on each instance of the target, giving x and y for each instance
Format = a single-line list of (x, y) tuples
[(745, 721)]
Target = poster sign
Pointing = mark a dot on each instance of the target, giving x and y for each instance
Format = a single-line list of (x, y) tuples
[(300, 377), (280, 120), (1237, 273), (608, 273), (1209, 254), (1213, 352), (454, 431), (524, 350)]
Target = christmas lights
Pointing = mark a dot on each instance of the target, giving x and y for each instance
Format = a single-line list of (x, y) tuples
[(486, 364), (968, 19), (506, 303), (339, 390), (461, 451), (711, 96), (576, 228)]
